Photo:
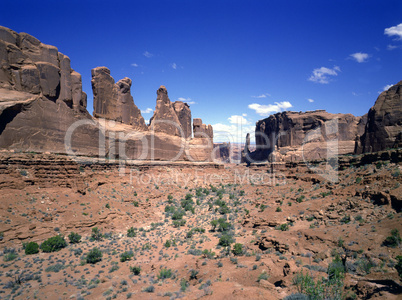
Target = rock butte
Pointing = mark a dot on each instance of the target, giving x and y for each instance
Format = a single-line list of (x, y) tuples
[(41, 98), (296, 136)]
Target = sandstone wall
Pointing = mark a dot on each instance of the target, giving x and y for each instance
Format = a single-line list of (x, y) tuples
[(309, 135), (384, 122), (113, 101)]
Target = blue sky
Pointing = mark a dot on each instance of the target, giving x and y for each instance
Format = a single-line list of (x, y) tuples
[(235, 62)]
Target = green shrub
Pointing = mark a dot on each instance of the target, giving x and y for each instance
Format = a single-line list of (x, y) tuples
[(167, 244), (96, 234), (193, 274), (125, 256), (31, 248), (131, 232), (165, 273), (278, 209), (282, 227), (10, 256), (393, 240), (149, 289), (300, 199), (74, 238), (94, 256), (53, 244), (136, 270), (237, 249), (321, 289), (208, 253), (263, 276), (226, 240), (398, 266), (336, 269)]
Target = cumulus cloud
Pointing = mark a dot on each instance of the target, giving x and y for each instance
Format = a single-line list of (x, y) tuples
[(147, 54), (261, 96), (147, 111), (385, 88), (134, 65), (266, 110), (174, 66), (321, 75), (359, 57), (310, 100), (394, 30), (146, 121), (238, 120), (233, 133)]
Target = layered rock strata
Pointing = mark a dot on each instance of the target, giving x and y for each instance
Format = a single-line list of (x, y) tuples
[(306, 136), (113, 101), (384, 122)]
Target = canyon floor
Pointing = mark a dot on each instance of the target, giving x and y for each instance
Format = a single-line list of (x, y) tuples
[(183, 217)]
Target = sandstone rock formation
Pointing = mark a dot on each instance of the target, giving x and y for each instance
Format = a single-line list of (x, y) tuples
[(165, 119), (202, 130), (310, 135), (113, 101), (384, 122), (40, 98), (183, 112), (43, 109)]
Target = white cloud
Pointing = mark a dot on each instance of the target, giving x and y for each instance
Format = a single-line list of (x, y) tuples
[(310, 100), (385, 88), (261, 96), (393, 47), (147, 54), (321, 75), (238, 120), (147, 111), (134, 65), (146, 122), (186, 100), (174, 66), (359, 57), (266, 110), (233, 133), (394, 30)]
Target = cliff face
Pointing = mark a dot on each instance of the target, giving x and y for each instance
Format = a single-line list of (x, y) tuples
[(40, 98), (308, 135), (43, 109), (113, 101), (384, 122)]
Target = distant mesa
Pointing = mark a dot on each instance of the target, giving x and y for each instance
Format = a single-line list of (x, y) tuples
[(314, 135), (41, 99)]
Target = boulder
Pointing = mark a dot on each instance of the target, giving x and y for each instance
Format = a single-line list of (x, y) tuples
[(384, 122)]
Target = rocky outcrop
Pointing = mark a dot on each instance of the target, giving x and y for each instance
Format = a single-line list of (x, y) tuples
[(27, 65), (43, 109), (113, 101), (40, 98), (202, 130), (165, 119), (384, 122), (306, 136), (183, 112)]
